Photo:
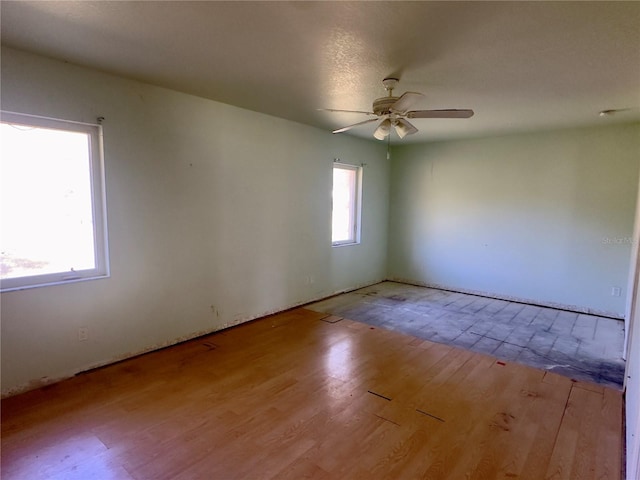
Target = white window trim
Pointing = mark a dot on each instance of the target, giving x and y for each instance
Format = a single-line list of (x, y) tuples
[(358, 205), (98, 197)]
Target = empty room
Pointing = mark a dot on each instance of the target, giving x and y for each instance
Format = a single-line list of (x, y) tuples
[(331, 240)]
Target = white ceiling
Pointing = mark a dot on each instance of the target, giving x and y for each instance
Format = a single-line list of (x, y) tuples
[(519, 65)]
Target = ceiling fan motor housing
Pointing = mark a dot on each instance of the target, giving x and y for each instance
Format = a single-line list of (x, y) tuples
[(382, 106)]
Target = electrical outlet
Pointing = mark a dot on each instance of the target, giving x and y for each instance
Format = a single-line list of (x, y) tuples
[(616, 291), (83, 334)]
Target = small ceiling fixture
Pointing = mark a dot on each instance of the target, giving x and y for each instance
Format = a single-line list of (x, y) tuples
[(394, 111)]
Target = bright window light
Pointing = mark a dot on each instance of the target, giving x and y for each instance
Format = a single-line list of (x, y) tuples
[(52, 210), (346, 204)]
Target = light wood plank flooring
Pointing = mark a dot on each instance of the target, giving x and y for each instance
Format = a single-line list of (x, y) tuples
[(305, 395)]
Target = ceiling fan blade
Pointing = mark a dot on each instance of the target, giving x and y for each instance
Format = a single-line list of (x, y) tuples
[(404, 128), (451, 113), (344, 129), (383, 129), (406, 101), (343, 111)]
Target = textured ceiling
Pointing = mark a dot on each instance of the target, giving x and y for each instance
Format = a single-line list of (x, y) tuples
[(519, 65)]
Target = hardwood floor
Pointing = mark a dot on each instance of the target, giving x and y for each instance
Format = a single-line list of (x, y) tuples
[(296, 395), (577, 345)]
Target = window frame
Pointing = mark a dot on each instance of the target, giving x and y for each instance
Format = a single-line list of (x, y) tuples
[(98, 204), (356, 205)]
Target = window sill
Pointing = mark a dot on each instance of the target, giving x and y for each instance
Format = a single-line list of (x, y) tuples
[(52, 283), (350, 244)]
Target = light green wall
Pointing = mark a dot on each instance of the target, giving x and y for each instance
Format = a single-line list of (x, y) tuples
[(216, 215), (546, 217)]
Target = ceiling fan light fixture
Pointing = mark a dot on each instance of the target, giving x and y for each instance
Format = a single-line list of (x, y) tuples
[(404, 128), (383, 129)]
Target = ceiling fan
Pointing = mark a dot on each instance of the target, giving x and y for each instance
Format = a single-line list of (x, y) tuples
[(394, 111)]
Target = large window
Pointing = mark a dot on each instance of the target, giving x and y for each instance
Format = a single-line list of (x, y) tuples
[(52, 220), (347, 195)]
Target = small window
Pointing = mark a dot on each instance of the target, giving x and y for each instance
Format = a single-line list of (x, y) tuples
[(52, 219), (347, 194)]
